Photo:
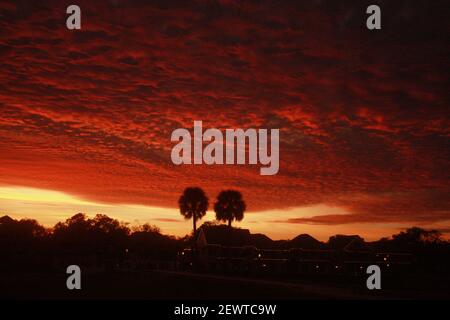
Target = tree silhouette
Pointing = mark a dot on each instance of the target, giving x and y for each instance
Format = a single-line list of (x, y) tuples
[(16, 236), (229, 206), (100, 235), (416, 235), (193, 204)]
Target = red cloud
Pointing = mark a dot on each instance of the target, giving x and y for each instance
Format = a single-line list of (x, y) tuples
[(90, 112)]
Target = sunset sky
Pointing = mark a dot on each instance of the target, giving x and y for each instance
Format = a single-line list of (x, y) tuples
[(86, 115)]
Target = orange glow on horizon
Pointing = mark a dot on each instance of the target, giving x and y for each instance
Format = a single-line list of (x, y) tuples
[(49, 207)]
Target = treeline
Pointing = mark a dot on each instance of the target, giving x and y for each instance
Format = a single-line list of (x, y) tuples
[(25, 243)]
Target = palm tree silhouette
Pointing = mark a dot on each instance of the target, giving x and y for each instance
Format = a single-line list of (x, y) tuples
[(193, 204), (229, 206)]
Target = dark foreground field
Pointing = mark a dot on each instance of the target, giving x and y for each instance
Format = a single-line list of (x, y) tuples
[(185, 286)]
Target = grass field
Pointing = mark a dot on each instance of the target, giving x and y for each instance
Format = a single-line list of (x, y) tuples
[(168, 285)]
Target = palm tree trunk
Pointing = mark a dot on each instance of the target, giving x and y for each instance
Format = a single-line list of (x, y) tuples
[(194, 244), (229, 223), (195, 224)]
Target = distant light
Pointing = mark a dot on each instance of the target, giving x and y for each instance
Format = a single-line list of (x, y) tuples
[(182, 253), (317, 267), (337, 267), (385, 259), (259, 255)]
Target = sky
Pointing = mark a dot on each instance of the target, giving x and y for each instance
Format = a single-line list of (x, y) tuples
[(86, 115)]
